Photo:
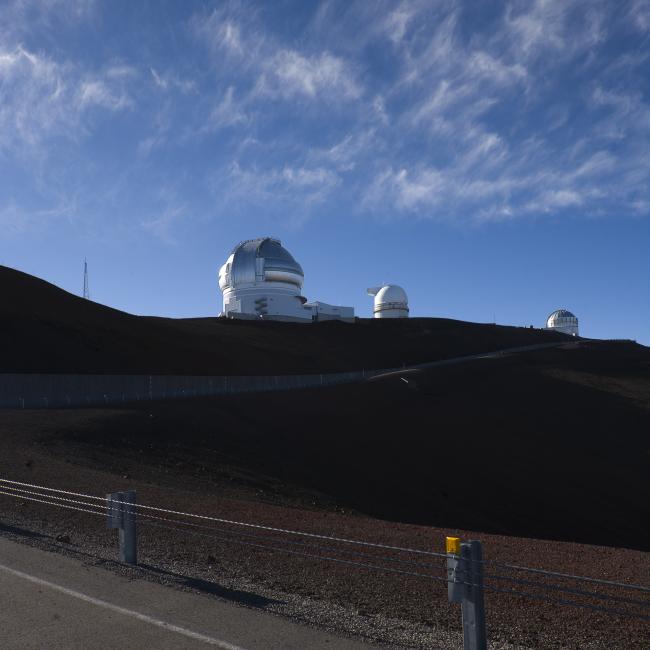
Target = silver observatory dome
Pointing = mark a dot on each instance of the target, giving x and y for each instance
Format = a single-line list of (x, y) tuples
[(260, 260), (562, 320), (261, 279)]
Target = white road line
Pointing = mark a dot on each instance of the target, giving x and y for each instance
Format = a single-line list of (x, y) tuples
[(122, 610)]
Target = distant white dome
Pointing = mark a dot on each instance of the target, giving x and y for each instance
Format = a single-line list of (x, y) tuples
[(562, 320), (391, 301)]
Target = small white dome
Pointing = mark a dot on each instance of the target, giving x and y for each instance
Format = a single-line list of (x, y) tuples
[(391, 301), (392, 293)]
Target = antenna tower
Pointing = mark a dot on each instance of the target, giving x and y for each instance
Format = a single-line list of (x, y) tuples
[(86, 289)]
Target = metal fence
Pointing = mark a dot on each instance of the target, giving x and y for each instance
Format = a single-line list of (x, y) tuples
[(31, 391)]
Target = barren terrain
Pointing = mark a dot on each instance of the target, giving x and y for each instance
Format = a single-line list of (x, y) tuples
[(542, 455)]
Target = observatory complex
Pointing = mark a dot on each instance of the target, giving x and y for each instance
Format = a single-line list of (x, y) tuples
[(261, 279), (563, 321)]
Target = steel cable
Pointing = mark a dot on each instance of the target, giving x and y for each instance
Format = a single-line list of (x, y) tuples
[(228, 532), (241, 523), (569, 576), (293, 532), (50, 503), (302, 544), (185, 523), (50, 496), (513, 567), (570, 590), (48, 489), (301, 554), (571, 603)]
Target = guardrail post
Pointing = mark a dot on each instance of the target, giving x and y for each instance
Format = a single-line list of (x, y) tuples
[(121, 515), (465, 586)]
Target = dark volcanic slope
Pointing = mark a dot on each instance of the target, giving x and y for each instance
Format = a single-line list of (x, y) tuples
[(551, 444), (46, 329)]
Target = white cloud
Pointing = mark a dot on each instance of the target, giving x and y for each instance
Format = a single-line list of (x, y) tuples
[(16, 220), (397, 22), (290, 74), (297, 185), (228, 112), (279, 71), (161, 225), (13, 221), (486, 67), (97, 92), (44, 98), (550, 200), (379, 111), (345, 155), (36, 98), (221, 30), (639, 13), (171, 81)]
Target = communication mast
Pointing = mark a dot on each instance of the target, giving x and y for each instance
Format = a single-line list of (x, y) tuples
[(86, 289)]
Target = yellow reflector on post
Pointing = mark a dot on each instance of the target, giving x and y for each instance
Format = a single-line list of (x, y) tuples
[(453, 545)]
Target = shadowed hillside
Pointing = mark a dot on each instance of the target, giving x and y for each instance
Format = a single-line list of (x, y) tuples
[(46, 329), (551, 443)]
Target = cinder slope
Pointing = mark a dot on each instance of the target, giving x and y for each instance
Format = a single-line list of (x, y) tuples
[(46, 329)]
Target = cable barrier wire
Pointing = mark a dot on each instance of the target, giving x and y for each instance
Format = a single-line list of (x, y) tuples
[(302, 554), (295, 532), (55, 498), (51, 503), (49, 489), (243, 524), (225, 535), (300, 543), (570, 590), (571, 603), (568, 576)]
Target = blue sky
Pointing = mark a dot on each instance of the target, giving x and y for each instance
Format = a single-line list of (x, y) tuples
[(493, 158)]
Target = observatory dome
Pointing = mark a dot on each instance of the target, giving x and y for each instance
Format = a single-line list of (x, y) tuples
[(261, 279), (260, 260), (562, 320), (391, 301)]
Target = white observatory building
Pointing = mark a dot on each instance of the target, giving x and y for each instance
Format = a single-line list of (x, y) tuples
[(390, 301), (563, 321), (261, 279)]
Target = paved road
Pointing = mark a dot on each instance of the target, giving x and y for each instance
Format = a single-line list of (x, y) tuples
[(51, 601)]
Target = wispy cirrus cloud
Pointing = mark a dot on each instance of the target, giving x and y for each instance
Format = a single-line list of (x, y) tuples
[(639, 13), (271, 68), (169, 81), (228, 112), (301, 186), (43, 98), (413, 109), (289, 74)]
